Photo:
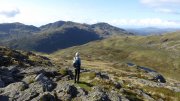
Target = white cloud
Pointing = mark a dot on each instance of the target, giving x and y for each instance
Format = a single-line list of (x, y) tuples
[(10, 13), (145, 22), (166, 10), (160, 2), (164, 6)]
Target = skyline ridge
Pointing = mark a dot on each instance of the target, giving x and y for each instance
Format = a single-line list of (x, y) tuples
[(136, 13)]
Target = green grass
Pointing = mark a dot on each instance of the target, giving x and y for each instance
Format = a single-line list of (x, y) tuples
[(63, 71), (88, 75), (31, 80), (85, 86), (166, 94), (144, 51), (132, 96), (107, 85)]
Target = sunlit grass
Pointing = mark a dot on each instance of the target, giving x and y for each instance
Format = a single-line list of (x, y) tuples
[(164, 93), (145, 51)]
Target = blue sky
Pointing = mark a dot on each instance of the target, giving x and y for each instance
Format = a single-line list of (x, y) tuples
[(121, 13)]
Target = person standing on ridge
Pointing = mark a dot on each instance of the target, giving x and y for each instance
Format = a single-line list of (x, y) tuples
[(77, 66)]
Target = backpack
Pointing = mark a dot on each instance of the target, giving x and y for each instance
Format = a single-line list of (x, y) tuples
[(76, 63)]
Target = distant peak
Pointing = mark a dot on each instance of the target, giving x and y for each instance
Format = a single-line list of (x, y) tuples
[(102, 23), (14, 23)]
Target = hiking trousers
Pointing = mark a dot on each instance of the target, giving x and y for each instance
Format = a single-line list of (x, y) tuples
[(77, 74)]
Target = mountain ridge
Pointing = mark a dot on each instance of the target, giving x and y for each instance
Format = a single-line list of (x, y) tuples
[(58, 35), (152, 30)]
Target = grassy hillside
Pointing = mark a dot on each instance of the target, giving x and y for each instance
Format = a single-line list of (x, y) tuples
[(104, 71), (161, 53), (10, 57)]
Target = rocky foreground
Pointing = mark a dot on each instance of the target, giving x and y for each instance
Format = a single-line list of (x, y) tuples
[(35, 78)]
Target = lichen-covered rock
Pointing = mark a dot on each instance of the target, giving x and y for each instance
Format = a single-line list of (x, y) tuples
[(27, 95), (47, 84), (66, 91), (82, 92), (144, 95), (102, 75), (98, 94), (14, 90), (150, 83), (114, 96)]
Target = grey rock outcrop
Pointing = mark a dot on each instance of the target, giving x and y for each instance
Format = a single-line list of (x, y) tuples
[(48, 85), (47, 97), (9, 75), (144, 95), (13, 91), (98, 94), (2, 84), (102, 75), (66, 91), (159, 78)]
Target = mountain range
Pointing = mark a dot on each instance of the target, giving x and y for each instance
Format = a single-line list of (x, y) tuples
[(151, 30), (53, 36)]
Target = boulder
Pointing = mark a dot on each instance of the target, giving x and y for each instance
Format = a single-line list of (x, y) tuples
[(157, 77), (41, 78), (47, 97), (124, 98), (4, 98), (160, 78), (98, 94), (13, 69), (71, 89), (150, 83), (70, 73), (51, 73), (10, 75), (102, 75), (114, 96), (117, 85), (2, 84), (48, 85), (27, 96), (144, 95), (8, 80), (14, 90), (66, 91), (82, 92)]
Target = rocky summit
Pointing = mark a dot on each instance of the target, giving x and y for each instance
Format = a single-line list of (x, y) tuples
[(36, 78)]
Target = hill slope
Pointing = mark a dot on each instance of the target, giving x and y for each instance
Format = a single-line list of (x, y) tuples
[(16, 30), (99, 81), (106, 30), (161, 53), (10, 57)]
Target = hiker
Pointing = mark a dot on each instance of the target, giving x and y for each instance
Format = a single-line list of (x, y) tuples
[(77, 66)]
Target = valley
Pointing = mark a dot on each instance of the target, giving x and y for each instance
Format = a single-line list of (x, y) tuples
[(116, 65)]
